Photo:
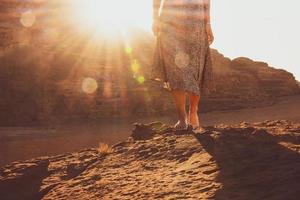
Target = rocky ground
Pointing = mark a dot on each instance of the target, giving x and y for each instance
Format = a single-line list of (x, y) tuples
[(244, 161)]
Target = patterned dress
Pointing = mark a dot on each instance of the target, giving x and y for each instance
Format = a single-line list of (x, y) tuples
[(182, 58)]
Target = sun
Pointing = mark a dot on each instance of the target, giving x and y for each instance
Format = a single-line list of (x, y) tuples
[(107, 16)]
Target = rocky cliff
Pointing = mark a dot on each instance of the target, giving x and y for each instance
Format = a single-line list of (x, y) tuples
[(244, 161), (242, 82)]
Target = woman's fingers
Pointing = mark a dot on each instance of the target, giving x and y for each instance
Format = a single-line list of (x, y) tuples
[(210, 39), (209, 34)]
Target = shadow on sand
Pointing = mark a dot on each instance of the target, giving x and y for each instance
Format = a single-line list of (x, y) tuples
[(253, 164), (27, 182)]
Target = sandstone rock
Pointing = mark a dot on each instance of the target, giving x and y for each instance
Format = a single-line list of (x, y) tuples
[(142, 132)]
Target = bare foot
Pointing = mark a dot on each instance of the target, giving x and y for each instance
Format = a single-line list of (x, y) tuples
[(194, 119), (180, 125), (199, 130)]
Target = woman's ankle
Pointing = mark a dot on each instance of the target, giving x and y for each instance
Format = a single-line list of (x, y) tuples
[(193, 112), (194, 119), (183, 120)]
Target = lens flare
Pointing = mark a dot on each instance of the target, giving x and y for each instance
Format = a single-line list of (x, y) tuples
[(27, 19), (89, 85), (128, 50), (135, 66), (141, 79), (182, 59)]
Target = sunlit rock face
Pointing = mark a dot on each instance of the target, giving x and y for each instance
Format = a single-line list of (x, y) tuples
[(243, 82), (50, 72)]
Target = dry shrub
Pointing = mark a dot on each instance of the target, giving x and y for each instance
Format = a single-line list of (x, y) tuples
[(104, 148)]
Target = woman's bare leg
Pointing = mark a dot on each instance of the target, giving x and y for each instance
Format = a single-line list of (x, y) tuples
[(179, 97), (193, 117)]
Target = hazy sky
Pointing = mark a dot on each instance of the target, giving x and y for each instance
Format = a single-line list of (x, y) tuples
[(264, 30)]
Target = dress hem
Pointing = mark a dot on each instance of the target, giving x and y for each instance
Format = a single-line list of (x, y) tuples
[(169, 88)]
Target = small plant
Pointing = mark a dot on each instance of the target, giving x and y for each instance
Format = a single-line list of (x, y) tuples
[(104, 148)]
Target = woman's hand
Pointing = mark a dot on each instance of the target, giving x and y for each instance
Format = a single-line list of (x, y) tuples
[(210, 34), (155, 27)]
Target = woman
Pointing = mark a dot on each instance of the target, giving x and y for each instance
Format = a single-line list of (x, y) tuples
[(182, 57)]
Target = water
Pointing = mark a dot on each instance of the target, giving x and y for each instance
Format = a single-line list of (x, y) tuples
[(24, 143), (21, 143)]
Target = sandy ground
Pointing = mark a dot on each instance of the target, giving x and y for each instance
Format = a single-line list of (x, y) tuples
[(18, 143), (245, 161)]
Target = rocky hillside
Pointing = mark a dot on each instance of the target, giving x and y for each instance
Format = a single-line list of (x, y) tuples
[(242, 82), (43, 68), (245, 161)]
